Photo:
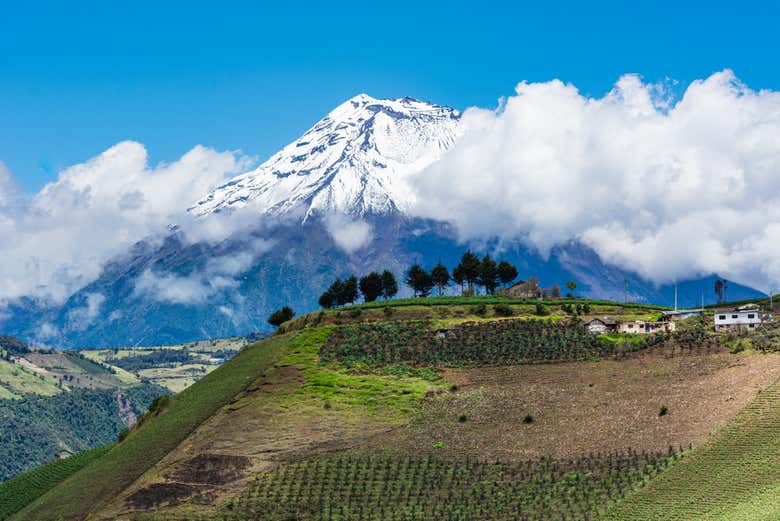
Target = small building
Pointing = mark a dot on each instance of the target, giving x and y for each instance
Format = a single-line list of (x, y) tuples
[(62, 454), (641, 327), (599, 326), (743, 318)]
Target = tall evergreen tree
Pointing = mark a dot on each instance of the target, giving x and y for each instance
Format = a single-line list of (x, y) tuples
[(419, 280), (371, 286), (441, 277), (389, 285), (327, 300), (349, 292), (470, 268), (506, 272), (459, 277), (488, 274), (336, 290)]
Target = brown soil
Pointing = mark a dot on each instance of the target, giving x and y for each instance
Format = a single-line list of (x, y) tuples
[(209, 469), (160, 494), (125, 407), (248, 436), (579, 408)]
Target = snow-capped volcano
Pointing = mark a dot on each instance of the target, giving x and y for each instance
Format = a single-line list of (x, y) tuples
[(353, 161)]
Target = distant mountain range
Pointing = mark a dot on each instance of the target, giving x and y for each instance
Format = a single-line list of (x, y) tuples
[(331, 203)]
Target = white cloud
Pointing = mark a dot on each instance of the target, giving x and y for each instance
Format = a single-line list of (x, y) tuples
[(173, 288), (57, 241), (669, 189), (82, 317), (350, 235), (195, 288)]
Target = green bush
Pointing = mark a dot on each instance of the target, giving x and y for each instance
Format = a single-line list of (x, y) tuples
[(541, 310), (503, 310)]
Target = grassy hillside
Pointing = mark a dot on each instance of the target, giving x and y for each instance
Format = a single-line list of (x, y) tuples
[(735, 477), (103, 479), (25, 488), (448, 411)]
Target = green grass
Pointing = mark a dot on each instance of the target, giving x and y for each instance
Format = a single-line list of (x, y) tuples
[(618, 338), (391, 394), (105, 478), (19, 380), (735, 477), (18, 492)]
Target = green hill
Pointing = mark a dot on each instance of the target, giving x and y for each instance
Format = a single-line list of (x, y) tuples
[(464, 409), (734, 477)]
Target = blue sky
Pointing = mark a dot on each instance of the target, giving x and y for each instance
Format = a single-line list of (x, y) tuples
[(76, 79)]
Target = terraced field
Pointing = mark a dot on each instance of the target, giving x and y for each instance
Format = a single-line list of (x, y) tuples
[(735, 477)]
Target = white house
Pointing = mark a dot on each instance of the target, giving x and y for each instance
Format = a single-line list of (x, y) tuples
[(640, 327), (745, 317), (598, 326)]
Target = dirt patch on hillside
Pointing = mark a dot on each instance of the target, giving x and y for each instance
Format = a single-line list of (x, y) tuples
[(258, 429), (578, 408), (159, 494), (210, 469)]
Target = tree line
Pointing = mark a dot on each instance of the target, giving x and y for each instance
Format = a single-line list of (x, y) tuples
[(470, 273), (371, 286)]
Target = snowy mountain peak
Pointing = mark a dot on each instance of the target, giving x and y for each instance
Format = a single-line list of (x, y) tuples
[(353, 161)]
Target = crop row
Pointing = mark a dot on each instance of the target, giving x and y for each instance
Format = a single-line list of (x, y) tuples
[(503, 342), (736, 476), (369, 487)]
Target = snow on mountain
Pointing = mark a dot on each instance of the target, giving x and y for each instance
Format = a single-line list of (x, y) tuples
[(353, 161)]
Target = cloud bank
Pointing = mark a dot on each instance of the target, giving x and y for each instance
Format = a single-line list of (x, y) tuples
[(349, 234), (57, 241), (669, 189)]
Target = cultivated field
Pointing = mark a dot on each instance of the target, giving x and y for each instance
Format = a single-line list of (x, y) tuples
[(497, 418)]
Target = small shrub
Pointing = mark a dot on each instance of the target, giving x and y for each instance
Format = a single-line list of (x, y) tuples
[(438, 444), (663, 411), (280, 316), (454, 388), (541, 309), (462, 417), (480, 310), (327, 406), (503, 310), (123, 434), (355, 313), (528, 418), (388, 311)]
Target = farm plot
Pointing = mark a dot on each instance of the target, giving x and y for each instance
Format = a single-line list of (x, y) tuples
[(364, 487), (734, 477), (502, 342)]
